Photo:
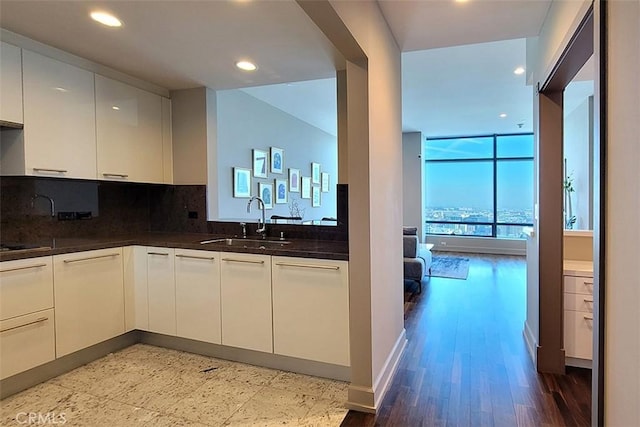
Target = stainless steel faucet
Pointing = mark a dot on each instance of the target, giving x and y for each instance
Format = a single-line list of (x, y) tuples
[(53, 205), (262, 226)]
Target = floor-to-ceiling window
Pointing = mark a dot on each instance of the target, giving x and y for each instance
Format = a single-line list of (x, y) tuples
[(479, 185)]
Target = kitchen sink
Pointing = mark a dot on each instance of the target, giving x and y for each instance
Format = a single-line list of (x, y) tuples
[(11, 247), (248, 243)]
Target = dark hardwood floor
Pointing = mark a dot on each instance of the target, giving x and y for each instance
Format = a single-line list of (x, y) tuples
[(466, 361)]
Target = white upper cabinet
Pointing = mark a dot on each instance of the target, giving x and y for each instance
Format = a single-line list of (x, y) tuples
[(59, 120), (129, 132), (10, 83)]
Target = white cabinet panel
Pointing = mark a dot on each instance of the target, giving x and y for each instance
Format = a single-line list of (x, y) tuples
[(245, 281), (167, 142), (26, 342), (161, 288), (198, 295), (578, 337), (311, 309), (135, 286), (10, 83), (89, 298), (129, 132), (59, 119), (26, 286), (578, 285)]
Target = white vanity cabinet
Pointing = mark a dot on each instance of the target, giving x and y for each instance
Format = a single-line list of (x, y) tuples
[(129, 130), (10, 83), (161, 290), (578, 314), (245, 281), (311, 309), (27, 337), (89, 298), (198, 295), (59, 121)]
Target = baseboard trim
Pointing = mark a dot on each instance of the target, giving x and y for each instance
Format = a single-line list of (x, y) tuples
[(368, 399), (42, 373), (269, 360), (530, 341)]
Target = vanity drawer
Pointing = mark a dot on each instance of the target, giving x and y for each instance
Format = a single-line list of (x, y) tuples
[(578, 302), (578, 285), (578, 334)]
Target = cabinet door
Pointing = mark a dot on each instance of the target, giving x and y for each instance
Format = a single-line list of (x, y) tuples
[(136, 303), (167, 142), (59, 119), (578, 334), (10, 83), (26, 342), (89, 298), (26, 286), (198, 295), (161, 290), (245, 281), (129, 132), (311, 309)]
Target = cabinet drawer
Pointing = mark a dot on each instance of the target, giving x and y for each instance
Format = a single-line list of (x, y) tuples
[(26, 342), (578, 334), (578, 302), (578, 285), (26, 286)]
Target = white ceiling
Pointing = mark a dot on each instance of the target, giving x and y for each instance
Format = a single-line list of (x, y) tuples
[(182, 44)]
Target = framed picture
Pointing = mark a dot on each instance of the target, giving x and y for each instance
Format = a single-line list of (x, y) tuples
[(241, 182), (281, 190), (265, 192), (315, 197), (277, 160), (315, 173), (260, 163), (294, 180), (306, 187), (324, 177)]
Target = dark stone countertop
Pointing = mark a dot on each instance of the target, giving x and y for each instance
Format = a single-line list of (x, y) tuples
[(304, 248)]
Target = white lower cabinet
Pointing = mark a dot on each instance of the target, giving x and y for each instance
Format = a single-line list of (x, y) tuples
[(27, 337), (89, 298), (198, 295), (311, 309), (245, 281), (578, 319), (26, 342), (161, 290), (136, 302)]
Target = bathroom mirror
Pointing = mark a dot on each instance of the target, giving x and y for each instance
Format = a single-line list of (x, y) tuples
[(578, 150)]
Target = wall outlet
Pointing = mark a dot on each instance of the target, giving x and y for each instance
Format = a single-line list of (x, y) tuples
[(443, 243), (193, 215)]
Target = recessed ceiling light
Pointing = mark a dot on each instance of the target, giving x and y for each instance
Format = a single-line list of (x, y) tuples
[(461, 1), (519, 70), (246, 65), (502, 115), (115, 107), (106, 19)]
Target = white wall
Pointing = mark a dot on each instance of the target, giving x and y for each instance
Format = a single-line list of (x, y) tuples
[(622, 286), (245, 123), (413, 181), (578, 150)]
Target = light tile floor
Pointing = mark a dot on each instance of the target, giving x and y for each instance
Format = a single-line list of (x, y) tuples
[(152, 386)]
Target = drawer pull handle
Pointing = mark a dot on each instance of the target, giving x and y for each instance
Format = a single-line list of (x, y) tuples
[(246, 261), (587, 317), (158, 253), (321, 267), (23, 268), (69, 261), (38, 320), (50, 170), (588, 300), (210, 258), (588, 283), (118, 175)]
